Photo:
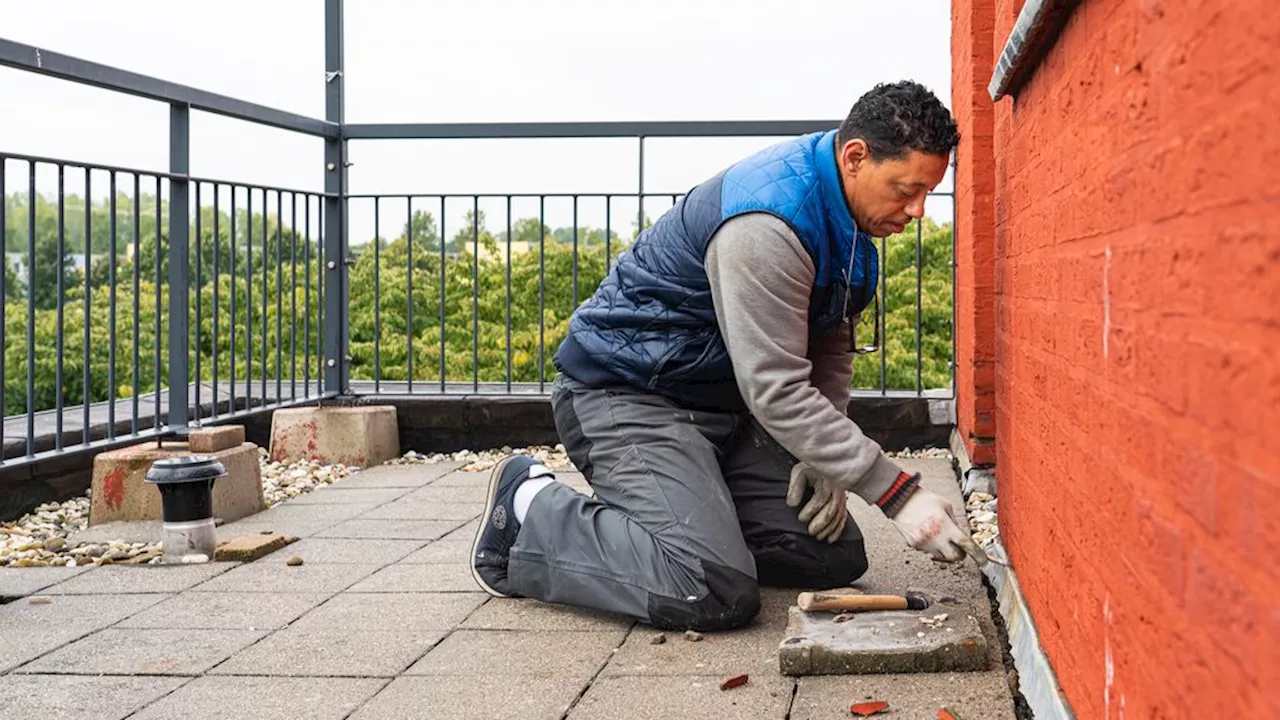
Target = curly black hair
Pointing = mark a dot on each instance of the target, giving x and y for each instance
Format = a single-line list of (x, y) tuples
[(896, 118)]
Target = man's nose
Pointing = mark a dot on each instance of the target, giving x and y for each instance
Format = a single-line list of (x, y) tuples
[(916, 208)]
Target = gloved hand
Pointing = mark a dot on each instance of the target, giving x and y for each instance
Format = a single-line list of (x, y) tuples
[(925, 520), (827, 511)]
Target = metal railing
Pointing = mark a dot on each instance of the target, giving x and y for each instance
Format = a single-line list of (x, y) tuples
[(210, 299)]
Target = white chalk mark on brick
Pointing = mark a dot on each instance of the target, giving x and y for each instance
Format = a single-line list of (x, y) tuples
[(1106, 303)]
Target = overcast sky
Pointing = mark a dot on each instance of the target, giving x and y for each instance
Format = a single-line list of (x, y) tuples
[(406, 61)]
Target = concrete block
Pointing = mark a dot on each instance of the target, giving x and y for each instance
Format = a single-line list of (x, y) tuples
[(251, 547), (765, 697), (264, 698), (362, 653), (71, 697), (145, 652), (120, 493), (210, 440), (358, 436), (469, 697), (882, 642)]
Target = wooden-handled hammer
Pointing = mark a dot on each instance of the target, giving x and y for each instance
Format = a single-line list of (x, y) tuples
[(820, 601)]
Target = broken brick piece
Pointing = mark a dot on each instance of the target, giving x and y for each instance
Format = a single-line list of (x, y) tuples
[(211, 440), (945, 714), (252, 547), (733, 682), (867, 709)]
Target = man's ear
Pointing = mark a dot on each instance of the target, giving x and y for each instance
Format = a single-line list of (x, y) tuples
[(854, 155)]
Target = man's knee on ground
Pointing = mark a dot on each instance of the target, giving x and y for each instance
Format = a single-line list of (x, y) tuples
[(793, 560), (732, 599)]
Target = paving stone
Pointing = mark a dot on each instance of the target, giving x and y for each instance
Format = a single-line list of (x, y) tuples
[(398, 476), (286, 513), (81, 613), (406, 509), (391, 529), (969, 695), (225, 610), (305, 652), (264, 698), (297, 528), (881, 642), (520, 652), (766, 695), (453, 577), (449, 493), (463, 478), (262, 577), (352, 551), (473, 698), (138, 579), (466, 533), (144, 652), (72, 697), (21, 645), (340, 494), (244, 548), (440, 551), (525, 614), (20, 582), (392, 611)]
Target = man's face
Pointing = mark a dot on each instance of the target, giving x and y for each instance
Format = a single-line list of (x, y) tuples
[(886, 195)]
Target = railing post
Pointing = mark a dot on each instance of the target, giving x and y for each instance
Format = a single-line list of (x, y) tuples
[(335, 240), (179, 272)]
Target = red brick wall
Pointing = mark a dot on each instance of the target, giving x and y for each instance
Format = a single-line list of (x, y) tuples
[(975, 187), (1136, 271)]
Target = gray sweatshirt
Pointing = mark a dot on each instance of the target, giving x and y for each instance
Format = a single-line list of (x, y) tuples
[(761, 277)]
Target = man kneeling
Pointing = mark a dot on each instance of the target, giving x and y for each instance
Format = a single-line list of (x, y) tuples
[(703, 391)]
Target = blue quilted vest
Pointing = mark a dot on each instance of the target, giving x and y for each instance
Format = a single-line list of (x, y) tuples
[(651, 324)]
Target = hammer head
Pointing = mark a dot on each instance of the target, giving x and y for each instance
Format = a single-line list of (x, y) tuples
[(929, 597)]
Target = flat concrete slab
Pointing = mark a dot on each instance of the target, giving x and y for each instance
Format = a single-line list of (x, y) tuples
[(20, 582), (696, 697), (473, 493), (342, 494), (418, 509), (392, 611), (144, 652), (517, 653), (225, 611), (317, 653), (276, 577), (361, 528), (970, 696), (518, 614), (351, 551), (453, 577), (441, 551), (73, 697), (400, 476), (21, 645), (139, 579), (81, 613), (881, 642), (264, 698), (468, 697)]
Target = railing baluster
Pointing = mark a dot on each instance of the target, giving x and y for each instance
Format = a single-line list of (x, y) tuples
[(199, 290), (179, 254), (408, 333), (293, 296), (31, 310), (266, 240), (58, 344), (443, 261), (158, 256), (542, 292), (884, 313), (306, 298), (919, 308), (248, 299), (87, 395), (608, 233), (575, 253), (279, 288), (4, 299), (508, 294), (136, 376), (231, 309), (475, 293), (217, 288), (377, 296)]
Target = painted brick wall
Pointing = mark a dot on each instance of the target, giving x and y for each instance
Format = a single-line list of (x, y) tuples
[(1136, 273)]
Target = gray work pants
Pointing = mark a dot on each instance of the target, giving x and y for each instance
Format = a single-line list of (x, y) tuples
[(689, 517)]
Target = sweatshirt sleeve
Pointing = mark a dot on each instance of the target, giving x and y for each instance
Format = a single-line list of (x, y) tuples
[(761, 278)]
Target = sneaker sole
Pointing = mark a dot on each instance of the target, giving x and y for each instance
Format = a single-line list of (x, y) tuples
[(494, 476)]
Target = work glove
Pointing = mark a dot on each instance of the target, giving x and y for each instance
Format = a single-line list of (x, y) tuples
[(926, 522), (827, 511)]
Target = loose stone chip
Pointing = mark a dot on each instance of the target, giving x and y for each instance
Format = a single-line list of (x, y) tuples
[(293, 561), (692, 636), (733, 682)]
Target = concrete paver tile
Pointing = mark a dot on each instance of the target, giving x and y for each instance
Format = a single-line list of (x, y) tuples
[(392, 611), (463, 478), (264, 576), (225, 610), (765, 696), (466, 533), (216, 697), (390, 529), (452, 577), (21, 645), (440, 551), (524, 614), (404, 476), (352, 551), (341, 494), (305, 652), (520, 652), (491, 697), (138, 579), (407, 509), (449, 493), (144, 652), (20, 582), (286, 513), (251, 525), (76, 697), (970, 695), (82, 613)]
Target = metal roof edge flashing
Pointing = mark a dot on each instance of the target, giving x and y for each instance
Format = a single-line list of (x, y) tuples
[(1034, 32)]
